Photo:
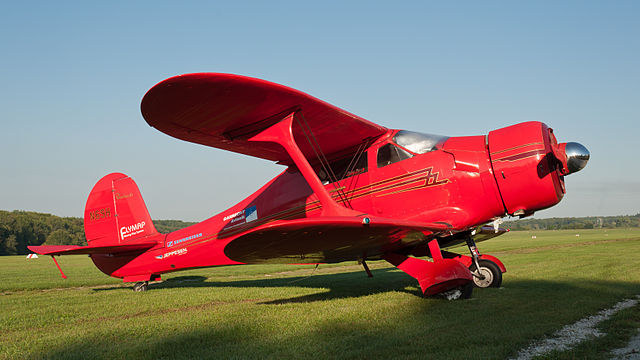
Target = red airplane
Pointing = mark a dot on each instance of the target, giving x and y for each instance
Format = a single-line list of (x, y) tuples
[(350, 190)]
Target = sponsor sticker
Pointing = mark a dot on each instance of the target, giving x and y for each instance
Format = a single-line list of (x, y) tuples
[(178, 252), (131, 230), (179, 241), (251, 213), (242, 217)]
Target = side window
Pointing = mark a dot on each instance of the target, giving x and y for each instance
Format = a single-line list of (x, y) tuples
[(342, 170), (390, 154), (359, 168)]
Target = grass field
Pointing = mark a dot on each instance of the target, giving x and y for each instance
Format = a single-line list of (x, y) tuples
[(280, 311)]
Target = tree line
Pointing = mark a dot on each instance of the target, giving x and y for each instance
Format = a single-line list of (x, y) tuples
[(590, 222), (19, 229)]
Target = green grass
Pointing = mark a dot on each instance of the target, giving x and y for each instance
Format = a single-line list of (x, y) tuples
[(280, 311)]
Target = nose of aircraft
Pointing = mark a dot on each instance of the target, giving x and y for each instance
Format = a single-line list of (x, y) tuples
[(577, 156)]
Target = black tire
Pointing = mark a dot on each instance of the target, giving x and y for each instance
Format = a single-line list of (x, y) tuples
[(459, 293), (140, 286), (467, 290), (491, 271)]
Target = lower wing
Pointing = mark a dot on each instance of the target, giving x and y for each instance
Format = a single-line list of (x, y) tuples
[(328, 239)]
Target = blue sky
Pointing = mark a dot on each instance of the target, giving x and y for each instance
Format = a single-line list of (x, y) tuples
[(73, 75)]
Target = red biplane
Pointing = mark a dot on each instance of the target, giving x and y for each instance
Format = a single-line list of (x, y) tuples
[(350, 190)]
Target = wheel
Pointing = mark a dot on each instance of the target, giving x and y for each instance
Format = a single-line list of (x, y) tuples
[(140, 286), (467, 290), (491, 272), (460, 293)]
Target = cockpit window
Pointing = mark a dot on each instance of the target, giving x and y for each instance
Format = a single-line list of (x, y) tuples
[(389, 154), (417, 142)]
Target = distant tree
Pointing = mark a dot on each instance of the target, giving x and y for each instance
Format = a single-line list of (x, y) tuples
[(11, 245), (167, 226), (573, 223), (58, 237)]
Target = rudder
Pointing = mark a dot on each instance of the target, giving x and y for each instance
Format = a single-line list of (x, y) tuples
[(115, 213)]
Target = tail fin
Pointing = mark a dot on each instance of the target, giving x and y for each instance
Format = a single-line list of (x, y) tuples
[(115, 213)]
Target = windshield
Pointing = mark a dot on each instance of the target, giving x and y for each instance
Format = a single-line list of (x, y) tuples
[(419, 143)]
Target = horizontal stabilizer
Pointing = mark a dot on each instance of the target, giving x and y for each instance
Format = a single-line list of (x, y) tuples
[(75, 249)]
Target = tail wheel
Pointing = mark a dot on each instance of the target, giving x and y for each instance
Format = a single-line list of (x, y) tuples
[(490, 274)]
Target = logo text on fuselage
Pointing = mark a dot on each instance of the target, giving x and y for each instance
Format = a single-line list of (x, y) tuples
[(179, 241), (131, 230)]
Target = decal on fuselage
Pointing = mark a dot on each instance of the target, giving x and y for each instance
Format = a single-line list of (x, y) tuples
[(241, 217), (181, 251), (417, 180), (179, 241), (432, 178), (131, 230)]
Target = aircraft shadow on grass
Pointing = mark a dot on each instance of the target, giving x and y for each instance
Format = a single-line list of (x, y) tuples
[(500, 311), (340, 285)]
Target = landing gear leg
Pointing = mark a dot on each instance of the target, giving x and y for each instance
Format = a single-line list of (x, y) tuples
[(475, 254), (485, 272), (140, 286)]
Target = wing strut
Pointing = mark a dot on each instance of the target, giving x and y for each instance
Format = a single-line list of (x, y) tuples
[(59, 268), (281, 133)]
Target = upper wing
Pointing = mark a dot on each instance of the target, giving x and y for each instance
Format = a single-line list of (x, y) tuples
[(225, 110), (327, 239)]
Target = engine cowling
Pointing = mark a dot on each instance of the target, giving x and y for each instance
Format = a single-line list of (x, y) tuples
[(529, 166)]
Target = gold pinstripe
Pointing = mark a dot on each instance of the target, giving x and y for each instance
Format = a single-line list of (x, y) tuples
[(518, 147), (369, 189)]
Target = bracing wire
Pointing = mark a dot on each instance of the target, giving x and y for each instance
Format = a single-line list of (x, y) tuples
[(313, 142)]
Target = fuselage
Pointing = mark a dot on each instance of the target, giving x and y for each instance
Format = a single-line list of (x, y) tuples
[(400, 175)]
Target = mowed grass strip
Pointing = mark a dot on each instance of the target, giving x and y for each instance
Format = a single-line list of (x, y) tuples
[(276, 311)]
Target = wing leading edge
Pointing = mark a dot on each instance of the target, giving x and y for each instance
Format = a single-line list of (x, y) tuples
[(328, 239), (225, 110)]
